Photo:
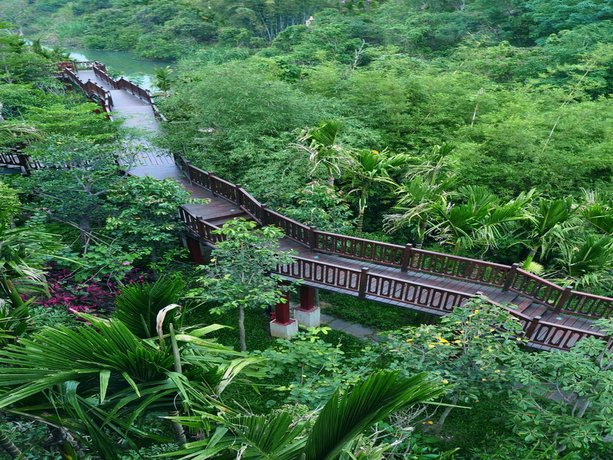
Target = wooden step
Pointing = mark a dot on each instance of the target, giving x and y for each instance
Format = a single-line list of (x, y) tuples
[(220, 220), (535, 309), (523, 304)]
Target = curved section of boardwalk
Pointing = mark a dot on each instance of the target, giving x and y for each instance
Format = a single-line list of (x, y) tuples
[(426, 281)]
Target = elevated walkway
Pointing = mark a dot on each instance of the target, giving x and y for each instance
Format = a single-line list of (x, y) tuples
[(407, 277)]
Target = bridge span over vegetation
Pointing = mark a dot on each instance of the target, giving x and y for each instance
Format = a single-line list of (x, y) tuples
[(405, 276), (143, 250)]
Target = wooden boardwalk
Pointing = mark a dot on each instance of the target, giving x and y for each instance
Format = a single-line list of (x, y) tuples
[(220, 210), (425, 281)]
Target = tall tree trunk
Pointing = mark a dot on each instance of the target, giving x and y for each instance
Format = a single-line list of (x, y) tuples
[(241, 328)]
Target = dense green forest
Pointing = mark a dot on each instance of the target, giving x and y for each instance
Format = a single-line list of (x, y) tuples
[(476, 127), (487, 102)]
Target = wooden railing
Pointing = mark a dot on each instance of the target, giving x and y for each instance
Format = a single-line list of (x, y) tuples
[(402, 292), (199, 227), (505, 277), (292, 229), (25, 162), (543, 334), (91, 89), (375, 286), (126, 85), (321, 273)]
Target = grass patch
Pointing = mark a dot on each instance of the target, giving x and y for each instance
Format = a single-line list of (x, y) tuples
[(262, 396), (256, 327), (474, 429), (376, 315)]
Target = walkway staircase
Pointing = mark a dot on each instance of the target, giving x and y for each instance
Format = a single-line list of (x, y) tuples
[(552, 317)]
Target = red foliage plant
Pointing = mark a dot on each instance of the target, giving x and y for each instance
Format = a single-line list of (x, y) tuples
[(87, 297)]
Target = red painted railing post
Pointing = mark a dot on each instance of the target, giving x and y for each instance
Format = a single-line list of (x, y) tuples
[(312, 238), (307, 298), (237, 191), (282, 310), (532, 326), (563, 299), (406, 257), (363, 283), (510, 276)]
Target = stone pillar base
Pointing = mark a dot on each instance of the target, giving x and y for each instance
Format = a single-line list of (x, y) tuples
[(284, 330), (308, 318)]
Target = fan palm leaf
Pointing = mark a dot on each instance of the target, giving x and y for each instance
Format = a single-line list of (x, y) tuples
[(138, 305), (600, 216), (320, 143), (125, 375), (23, 251), (344, 418), (592, 255), (341, 420)]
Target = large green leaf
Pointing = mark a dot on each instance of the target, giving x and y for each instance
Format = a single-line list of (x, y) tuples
[(345, 417), (138, 304)]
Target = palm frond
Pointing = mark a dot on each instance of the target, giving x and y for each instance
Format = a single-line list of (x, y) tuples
[(139, 304), (600, 216), (343, 418)]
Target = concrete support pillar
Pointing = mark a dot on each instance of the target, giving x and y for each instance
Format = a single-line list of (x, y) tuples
[(308, 314), (283, 325)]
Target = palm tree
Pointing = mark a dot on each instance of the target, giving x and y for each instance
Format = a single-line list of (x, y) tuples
[(588, 262), (138, 305), (99, 381), (479, 220), (163, 79), (429, 179), (550, 221), (337, 425), (23, 251), (368, 169), (418, 196), (598, 212), (321, 145)]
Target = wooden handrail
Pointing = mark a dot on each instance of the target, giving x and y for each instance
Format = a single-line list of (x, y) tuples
[(406, 257), (91, 89), (436, 300)]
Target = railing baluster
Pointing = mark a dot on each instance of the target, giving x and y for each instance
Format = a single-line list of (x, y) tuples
[(563, 299), (406, 257), (363, 281)]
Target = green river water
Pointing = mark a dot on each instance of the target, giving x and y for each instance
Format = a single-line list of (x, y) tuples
[(134, 68)]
